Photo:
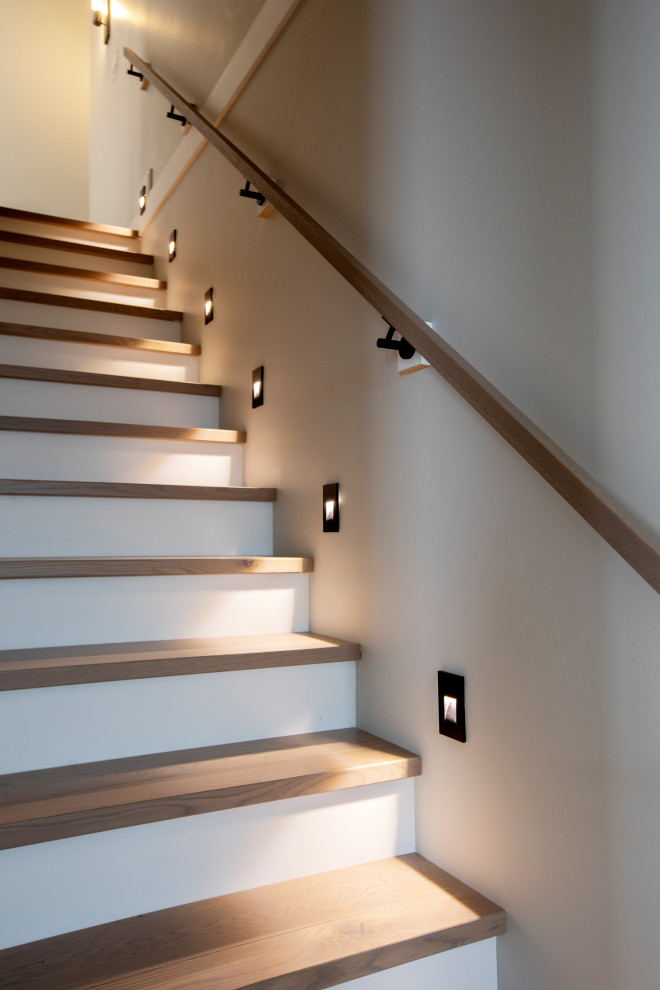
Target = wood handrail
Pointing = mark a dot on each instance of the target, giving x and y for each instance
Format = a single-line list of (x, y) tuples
[(625, 533)]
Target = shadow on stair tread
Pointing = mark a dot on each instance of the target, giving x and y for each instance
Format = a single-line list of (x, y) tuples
[(30, 216), (83, 427), (75, 247), (56, 803), (315, 931), (312, 931), (81, 302), (94, 379), (50, 666), (67, 271), (99, 339)]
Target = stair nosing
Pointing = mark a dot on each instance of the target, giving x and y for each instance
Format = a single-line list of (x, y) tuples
[(36, 667), (92, 378), (62, 802), (148, 344), (81, 302), (90, 275), (45, 568), (18, 487), (48, 219), (139, 431), (75, 247)]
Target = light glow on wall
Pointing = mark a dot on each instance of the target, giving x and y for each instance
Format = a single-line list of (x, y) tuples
[(450, 709)]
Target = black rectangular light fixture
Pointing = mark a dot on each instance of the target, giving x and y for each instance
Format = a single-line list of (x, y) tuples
[(143, 199), (451, 700), (171, 255), (258, 387), (331, 508), (208, 305)]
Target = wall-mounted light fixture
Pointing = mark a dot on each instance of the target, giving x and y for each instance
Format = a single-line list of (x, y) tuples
[(171, 255), (145, 189), (331, 508), (101, 17), (258, 387), (208, 305), (451, 699)]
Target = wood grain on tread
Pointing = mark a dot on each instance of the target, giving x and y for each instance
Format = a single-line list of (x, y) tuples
[(81, 427), (111, 278), (312, 932), (99, 305), (127, 489), (100, 339), (50, 666), (46, 218), (69, 567), (107, 381), (75, 247), (44, 805)]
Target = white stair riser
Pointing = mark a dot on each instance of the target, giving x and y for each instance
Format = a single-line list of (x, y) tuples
[(70, 318), (71, 233), (116, 405), (33, 526), (468, 967), (82, 723), (68, 611), (75, 883), (65, 285), (92, 357), (56, 457), (73, 259)]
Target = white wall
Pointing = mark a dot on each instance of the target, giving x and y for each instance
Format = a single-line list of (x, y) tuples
[(497, 165), (44, 73), (191, 45), (627, 249)]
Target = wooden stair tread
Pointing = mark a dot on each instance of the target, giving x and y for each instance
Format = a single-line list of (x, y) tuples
[(101, 339), (128, 489), (65, 271), (60, 802), (82, 427), (107, 381), (46, 218), (80, 302), (49, 666), (314, 931), (75, 247), (165, 566)]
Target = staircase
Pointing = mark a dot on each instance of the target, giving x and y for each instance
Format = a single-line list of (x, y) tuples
[(184, 799)]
